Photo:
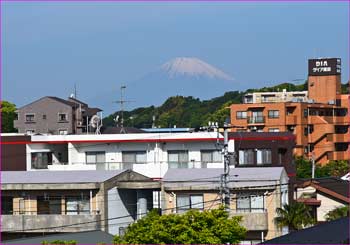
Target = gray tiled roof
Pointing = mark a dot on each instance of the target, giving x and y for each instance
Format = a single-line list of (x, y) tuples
[(51, 177), (196, 174), (87, 237), (209, 178)]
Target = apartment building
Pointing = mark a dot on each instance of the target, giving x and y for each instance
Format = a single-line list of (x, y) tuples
[(53, 115), (36, 202), (284, 96), (255, 195), (151, 154), (321, 124)]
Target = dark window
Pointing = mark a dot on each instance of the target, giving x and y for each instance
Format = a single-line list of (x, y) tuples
[(274, 114), (40, 160), (6, 205), (305, 113), (263, 156), (49, 205), (341, 146), (30, 118), (62, 117), (341, 129), (77, 205), (241, 115), (16, 115), (134, 157), (210, 156), (281, 155), (93, 157), (186, 202), (178, 159), (44, 117), (246, 157), (341, 112), (252, 203)]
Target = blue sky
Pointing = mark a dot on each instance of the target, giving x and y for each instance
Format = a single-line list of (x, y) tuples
[(47, 47)]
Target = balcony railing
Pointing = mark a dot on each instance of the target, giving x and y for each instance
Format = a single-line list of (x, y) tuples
[(256, 119), (42, 223)]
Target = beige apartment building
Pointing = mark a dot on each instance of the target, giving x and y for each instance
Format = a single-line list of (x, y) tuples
[(321, 123), (255, 194)]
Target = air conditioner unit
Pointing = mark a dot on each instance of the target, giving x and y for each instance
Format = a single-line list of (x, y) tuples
[(331, 102)]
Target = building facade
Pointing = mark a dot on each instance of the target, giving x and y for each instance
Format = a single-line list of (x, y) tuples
[(65, 201), (284, 96), (53, 115), (255, 195), (321, 124)]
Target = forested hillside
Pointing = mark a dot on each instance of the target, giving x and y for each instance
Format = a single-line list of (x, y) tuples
[(192, 112)]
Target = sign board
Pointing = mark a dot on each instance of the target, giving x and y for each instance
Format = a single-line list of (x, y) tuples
[(324, 67)]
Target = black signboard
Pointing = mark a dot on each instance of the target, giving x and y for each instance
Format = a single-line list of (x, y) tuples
[(324, 67)]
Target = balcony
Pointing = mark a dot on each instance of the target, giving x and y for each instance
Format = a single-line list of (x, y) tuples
[(253, 221), (338, 155), (339, 137), (256, 120), (42, 223), (291, 120)]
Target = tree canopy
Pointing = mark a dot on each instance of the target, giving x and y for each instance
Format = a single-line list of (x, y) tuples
[(333, 168), (8, 114), (193, 227), (295, 215), (337, 213)]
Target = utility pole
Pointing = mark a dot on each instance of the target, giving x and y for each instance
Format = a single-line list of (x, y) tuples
[(122, 102), (226, 175)]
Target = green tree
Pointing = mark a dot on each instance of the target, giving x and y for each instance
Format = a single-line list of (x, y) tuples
[(8, 114), (337, 213), (333, 168), (192, 227), (295, 215)]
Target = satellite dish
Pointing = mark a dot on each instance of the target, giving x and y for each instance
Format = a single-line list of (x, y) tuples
[(95, 121)]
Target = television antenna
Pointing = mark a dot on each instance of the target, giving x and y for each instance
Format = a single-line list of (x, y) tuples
[(122, 102)]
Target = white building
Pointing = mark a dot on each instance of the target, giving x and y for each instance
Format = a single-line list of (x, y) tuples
[(150, 154)]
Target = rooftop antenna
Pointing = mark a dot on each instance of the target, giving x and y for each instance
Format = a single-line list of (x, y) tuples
[(122, 102), (75, 90)]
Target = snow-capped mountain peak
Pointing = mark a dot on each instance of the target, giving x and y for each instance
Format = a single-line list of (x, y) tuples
[(193, 67)]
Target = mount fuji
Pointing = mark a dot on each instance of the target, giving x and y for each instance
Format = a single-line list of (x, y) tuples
[(186, 76)]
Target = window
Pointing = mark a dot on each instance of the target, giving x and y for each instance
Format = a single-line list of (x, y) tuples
[(252, 203), (274, 129), (281, 155), (94, 157), (211, 156), (305, 113), (62, 117), (241, 115), (77, 205), (22, 206), (341, 146), (308, 129), (6, 205), (246, 157), (186, 202), (263, 156), (274, 114), (49, 205), (62, 131), (30, 118), (16, 116), (40, 160), (178, 159), (44, 117), (134, 157)]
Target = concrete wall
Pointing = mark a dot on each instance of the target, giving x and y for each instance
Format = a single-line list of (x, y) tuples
[(42, 223)]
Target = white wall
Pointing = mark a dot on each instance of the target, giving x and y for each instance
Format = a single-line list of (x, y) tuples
[(327, 205)]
